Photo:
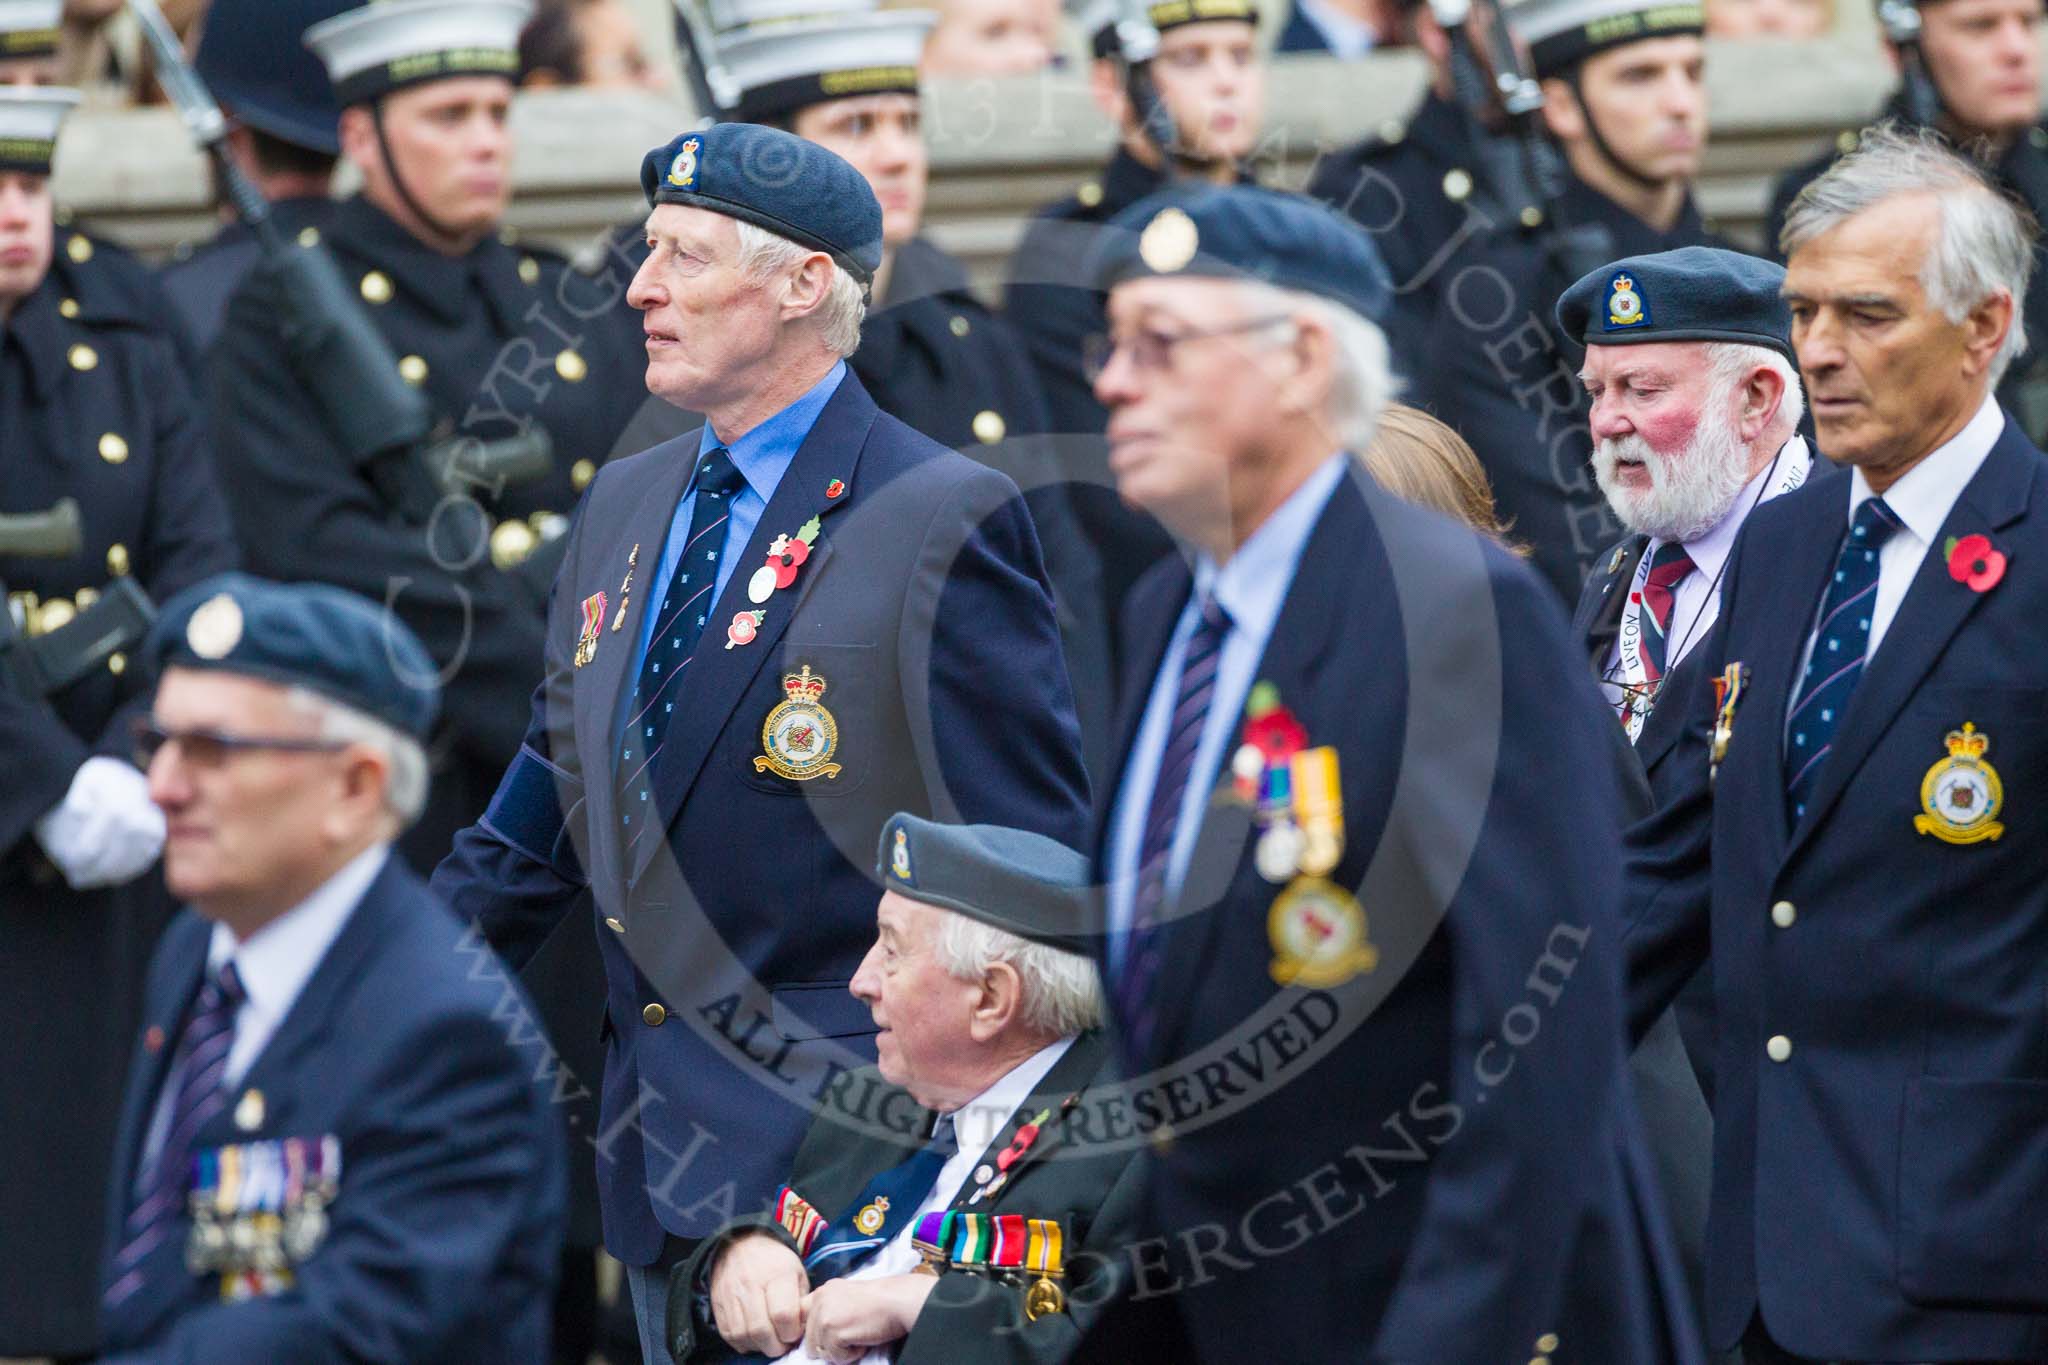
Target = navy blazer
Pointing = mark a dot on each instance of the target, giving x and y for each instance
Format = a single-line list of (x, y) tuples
[(729, 945), (446, 1227), (1877, 1193), (1382, 1156)]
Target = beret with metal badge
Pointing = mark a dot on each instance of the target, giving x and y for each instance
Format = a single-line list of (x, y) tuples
[(1031, 886), (1696, 293)]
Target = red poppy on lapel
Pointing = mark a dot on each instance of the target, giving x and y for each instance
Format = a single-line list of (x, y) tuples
[(1973, 561)]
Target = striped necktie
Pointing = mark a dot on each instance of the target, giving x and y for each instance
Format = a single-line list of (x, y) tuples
[(1199, 663), (1669, 566), (1840, 645), (895, 1195), (194, 1085), (682, 613)]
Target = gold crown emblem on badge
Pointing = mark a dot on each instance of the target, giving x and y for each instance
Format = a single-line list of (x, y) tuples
[(802, 687), (1169, 241), (1624, 285), (1967, 742)]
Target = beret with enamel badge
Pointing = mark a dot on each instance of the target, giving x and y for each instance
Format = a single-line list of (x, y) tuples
[(310, 635), (1024, 883), (1695, 293), (776, 181), (1245, 232)]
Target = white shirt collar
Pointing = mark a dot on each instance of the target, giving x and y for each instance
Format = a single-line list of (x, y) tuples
[(276, 961), (1710, 550), (1253, 583), (1925, 494), (977, 1122)]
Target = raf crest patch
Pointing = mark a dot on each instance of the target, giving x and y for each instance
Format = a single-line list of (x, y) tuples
[(682, 172), (1961, 795), (899, 857), (1626, 307)]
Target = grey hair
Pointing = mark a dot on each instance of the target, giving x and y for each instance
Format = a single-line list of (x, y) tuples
[(1364, 382), (1730, 362), (1986, 242), (1062, 993), (405, 795), (764, 253)]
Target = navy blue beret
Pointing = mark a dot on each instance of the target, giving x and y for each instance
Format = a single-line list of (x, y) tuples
[(774, 180), (1245, 232), (1034, 887), (301, 635), (1696, 293)]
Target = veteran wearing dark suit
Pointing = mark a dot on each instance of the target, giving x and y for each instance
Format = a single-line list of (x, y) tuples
[(766, 638), (91, 409), (1363, 960), (332, 1147), (957, 1202), (1852, 830)]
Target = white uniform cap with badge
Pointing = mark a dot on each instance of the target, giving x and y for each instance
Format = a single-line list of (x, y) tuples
[(30, 116), (390, 44), (1562, 33), (727, 14), (782, 68), (29, 28), (1098, 18)]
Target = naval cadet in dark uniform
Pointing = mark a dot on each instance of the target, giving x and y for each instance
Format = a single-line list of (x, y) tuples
[(282, 133), (1626, 105), (87, 413), (1983, 60), (500, 337)]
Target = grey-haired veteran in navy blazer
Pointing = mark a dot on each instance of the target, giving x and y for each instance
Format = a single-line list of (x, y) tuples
[(959, 1202), (1362, 859), (334, 1148), (1856, 839), (767, 637)]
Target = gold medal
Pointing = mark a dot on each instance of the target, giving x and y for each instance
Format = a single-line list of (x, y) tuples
[(1042, 1298), (1318, 933), (1962, 794), (1319, 807), (593, 623)]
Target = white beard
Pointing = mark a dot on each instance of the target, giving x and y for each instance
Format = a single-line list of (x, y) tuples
[(1690, 491)]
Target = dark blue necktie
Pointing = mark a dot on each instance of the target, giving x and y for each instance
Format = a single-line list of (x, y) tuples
[(196, 1095), (1162, 817), (1839, 649), (684, 607), (843, 1246)]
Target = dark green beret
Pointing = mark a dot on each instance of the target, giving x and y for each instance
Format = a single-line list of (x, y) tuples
[(1696, 293), (774, 180), (301, 635), (1034, 887)]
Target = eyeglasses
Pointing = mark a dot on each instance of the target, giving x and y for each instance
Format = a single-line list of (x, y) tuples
[(211, 748), (1152, 350)]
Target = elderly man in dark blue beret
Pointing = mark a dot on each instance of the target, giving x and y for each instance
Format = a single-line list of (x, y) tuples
[(332, 1147), (767, 637), (1361, 857)]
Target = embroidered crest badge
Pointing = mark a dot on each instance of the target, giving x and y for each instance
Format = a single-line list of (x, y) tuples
[(800, 735), (1962, 794)]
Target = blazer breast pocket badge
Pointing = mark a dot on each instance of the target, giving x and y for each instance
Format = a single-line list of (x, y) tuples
[(800, 736), (259, 1209), (1961, 795)]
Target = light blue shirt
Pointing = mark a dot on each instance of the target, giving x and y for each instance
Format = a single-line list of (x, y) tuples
[(761, 456), (1251, 587)]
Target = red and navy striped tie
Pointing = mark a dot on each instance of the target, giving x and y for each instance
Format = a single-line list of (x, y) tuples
[(1668, 568)]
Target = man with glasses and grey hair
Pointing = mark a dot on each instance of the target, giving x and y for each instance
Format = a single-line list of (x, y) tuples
[(1858, 833)]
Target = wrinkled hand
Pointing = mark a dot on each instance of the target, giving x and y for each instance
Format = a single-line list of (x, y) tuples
[(106, 830), (844, 1319), (757, 1295)]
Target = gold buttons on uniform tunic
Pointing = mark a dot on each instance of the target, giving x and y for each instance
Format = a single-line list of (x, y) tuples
[(989, 426), (1783, 913), (413, 370), (112, 448), (309, 236), (1457, 184), (1779, 1048), (117, 664), (1845, 142), (79, 248), (117, 559), (67, 308), (376, 287), (1547, 1342), (54, 614), (960, 326), (571, 367), (614, 925), (1532, 217), (1089, 194), (86, 597), (654, 1014), (83, 357), (580, 475), (511, 543), (529, 270), (1161, 1139)]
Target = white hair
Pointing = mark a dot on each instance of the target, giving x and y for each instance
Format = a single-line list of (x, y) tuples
[(405, 795), (1062, 994), (764, 253), (1729, 363), (1362, 383), (1985, 245)]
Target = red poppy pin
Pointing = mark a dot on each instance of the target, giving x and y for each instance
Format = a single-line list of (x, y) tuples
[(1973, 561), (835, 488)]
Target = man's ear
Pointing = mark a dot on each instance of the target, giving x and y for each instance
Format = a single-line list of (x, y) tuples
[(998, 1004), (806, 288), (364, 780), (1305, 387), (359, 136), (1763, 395), (1562, 112), (1106, 88), (1985, 328)]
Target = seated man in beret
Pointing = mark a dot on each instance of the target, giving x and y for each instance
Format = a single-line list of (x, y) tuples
[(332, 1147), (963, 1204)]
